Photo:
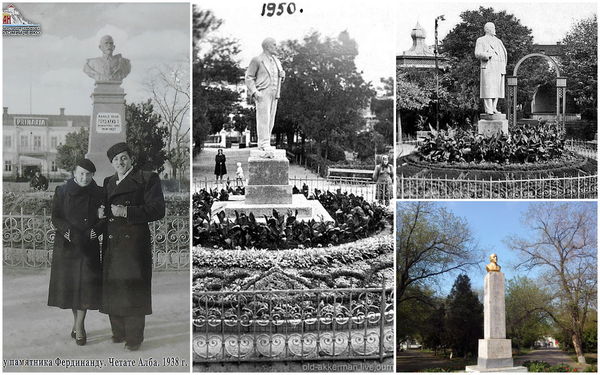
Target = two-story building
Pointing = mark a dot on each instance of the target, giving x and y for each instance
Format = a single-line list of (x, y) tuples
[(30, 142)]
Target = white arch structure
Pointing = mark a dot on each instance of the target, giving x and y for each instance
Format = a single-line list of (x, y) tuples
[(561, 91)]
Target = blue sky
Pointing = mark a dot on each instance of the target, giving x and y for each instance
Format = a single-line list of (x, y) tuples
[(491, 223)]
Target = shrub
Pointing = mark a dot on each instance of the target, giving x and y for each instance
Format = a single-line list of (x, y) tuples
[(335, 153), (536, 366), (591, 368), (524, 144), (354, 218)]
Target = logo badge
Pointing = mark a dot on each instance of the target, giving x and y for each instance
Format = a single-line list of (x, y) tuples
[(15, 24)]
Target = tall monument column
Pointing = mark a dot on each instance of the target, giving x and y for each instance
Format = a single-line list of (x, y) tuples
[(107, 124), (495, 350)]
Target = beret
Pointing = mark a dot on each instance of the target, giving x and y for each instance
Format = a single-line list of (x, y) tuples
[(116, 149), (87, 165)]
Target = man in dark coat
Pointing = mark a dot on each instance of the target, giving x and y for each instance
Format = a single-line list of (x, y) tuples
[(133, 199)]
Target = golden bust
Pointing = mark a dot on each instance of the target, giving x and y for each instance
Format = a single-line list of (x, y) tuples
[(493, 266)]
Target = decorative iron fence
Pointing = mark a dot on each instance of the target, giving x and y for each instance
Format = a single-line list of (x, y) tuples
[(293, 325), (367, 190), (28, 241), (423, 187), (583, 148)]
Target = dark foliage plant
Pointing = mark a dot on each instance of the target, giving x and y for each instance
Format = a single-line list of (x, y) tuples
[(523, 144), (354, 218)]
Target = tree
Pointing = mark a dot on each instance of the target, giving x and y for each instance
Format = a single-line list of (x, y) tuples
[(411, 96), (414, 315), (367, 143), (146, 136), (526, 306), (579, 64), (562, 242), (324, 92), (431, 242), (462, 80), (383, 108), (435, 336), (464, 320), (215, 70), (169, 87), (74, 148)]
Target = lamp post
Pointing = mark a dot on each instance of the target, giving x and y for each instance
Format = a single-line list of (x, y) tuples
[(437, 73)]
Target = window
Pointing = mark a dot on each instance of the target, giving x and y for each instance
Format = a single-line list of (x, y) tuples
[(24, 141), (37, 142), (7, 141), (7, 165), (53, 166), (53, 142)]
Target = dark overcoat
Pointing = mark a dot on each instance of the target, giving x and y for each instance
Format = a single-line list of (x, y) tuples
[(76, 272), (127, 246), (220, 166)]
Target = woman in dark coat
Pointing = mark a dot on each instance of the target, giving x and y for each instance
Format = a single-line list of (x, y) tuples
[(220, 167), (76, 273)]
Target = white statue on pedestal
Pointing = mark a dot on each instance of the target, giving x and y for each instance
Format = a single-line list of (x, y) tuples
[(492, 54)]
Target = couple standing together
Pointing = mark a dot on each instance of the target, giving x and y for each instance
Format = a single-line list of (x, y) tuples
[(113, 276)]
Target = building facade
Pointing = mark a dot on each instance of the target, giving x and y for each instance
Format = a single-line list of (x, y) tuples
[(30, 142)]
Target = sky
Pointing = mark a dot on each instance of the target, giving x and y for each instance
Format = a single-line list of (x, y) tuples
[(491, 222), (370, 24), (549, 21), (149, 35)]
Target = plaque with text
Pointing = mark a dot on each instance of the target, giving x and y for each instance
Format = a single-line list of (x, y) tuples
[(108, 122)]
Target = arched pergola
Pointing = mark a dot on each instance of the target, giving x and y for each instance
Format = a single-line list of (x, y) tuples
[(561, 91)]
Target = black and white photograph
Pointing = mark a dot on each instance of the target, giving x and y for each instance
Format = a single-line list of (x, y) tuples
[(292, 190), (496, 101), (96, 151)]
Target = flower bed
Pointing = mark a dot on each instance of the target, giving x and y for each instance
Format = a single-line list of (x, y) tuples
[(354, 218), (523, 144), (526, 152)]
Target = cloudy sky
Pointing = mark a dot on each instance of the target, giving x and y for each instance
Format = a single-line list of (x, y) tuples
[(149, 35), (549, 21), (371, 24)]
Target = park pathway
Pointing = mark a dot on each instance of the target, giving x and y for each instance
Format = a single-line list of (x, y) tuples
[(415, 361), (32, 330), (552, 356), (204, 164)]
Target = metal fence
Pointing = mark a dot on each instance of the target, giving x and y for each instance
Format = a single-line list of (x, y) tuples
[(367, 190), (572, 187), (293, 325), (28, 241), (583, 148)]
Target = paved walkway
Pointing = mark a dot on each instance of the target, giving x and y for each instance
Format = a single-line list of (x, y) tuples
[(32, 330), (204, 164), (552, 356)]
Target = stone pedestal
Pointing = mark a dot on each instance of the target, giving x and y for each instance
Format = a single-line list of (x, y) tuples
[(268, 179), (269, 189), (107, 125), (495, 351), (490, 125)]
